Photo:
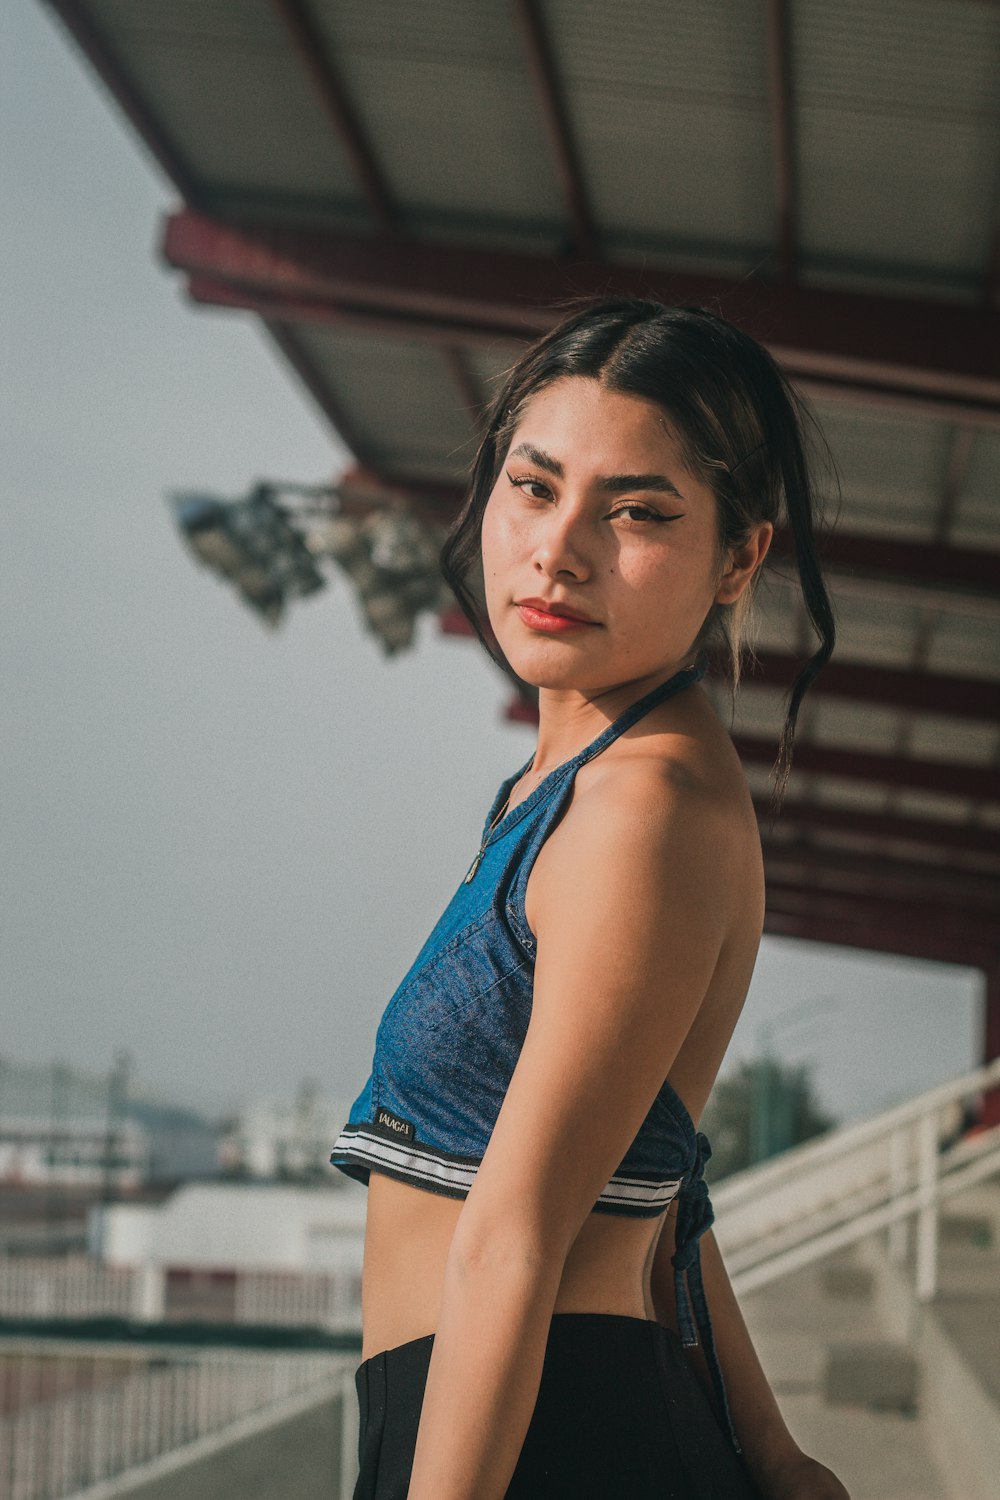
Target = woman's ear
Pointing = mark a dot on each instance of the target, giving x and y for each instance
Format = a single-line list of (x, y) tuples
[(744, 561)]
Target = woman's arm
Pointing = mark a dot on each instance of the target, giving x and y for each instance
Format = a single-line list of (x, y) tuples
[(629, 926), (483, 1381), (779, 1468)]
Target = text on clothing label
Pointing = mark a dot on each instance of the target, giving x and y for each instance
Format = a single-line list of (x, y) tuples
[(394, 1124)]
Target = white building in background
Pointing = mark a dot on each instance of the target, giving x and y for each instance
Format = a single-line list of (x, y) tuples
[(239, 1252), (63, 1127), (281, 1139), (80, 1152), (237, 1226)]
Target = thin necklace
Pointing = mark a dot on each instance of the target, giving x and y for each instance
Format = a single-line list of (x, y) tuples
[(486, 836)]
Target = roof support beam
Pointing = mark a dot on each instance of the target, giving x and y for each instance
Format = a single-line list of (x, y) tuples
[(926, 573), (314, 54), (889, 687), (930, 834), (864, 926), (981, 783), (782, 157), (215, 291), (891, 879), (935, 350), (552, 107)]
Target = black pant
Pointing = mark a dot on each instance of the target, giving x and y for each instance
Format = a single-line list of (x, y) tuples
[(619, 1416)]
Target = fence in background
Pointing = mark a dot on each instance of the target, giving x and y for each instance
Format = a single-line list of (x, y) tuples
[(289, 1299), (77, 1286), (70, 1421)]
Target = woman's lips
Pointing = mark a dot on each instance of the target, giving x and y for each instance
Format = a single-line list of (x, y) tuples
[(540, 619)]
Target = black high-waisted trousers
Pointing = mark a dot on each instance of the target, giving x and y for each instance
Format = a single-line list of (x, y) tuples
[(620, 1415)]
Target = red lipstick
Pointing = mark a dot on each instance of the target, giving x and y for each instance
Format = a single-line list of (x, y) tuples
[(553, 618)]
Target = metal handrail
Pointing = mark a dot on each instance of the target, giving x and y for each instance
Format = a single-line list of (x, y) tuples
[(874, 1175), (837, 1143)]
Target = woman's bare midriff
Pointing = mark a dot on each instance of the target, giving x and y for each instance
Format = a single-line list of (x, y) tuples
[(408, 1235), (609, 1268)]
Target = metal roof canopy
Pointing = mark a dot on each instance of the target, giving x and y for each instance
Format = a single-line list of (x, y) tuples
[(403, 193)]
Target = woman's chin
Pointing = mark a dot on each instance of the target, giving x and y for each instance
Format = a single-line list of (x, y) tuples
[(554, 666)]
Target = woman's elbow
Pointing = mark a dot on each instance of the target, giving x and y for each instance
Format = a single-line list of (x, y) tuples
[(515, 1249)]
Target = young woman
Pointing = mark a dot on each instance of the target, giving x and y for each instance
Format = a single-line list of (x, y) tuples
[(545, 1312)]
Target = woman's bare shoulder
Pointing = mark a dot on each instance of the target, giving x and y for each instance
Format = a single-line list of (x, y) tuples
[(660, 807)]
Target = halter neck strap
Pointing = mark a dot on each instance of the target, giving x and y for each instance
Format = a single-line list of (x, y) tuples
[(693, 672)]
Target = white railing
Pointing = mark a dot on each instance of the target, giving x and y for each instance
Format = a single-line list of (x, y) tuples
[(38, 1286), (72, 1286), (880, 1174), (288, 1299), (75, 1422)]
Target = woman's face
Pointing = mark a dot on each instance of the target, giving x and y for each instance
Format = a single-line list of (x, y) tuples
[(594, 510)]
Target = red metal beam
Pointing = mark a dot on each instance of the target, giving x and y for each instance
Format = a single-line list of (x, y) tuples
[(991, 1037), (866, 911), (928, 348), (871, 932), (552, 107), (930, 834), (822, 869), (889, 687), (396, 325), (215, 291), (981, 783), (102, 57), (782, 156), (313, 51), (875, 559), (887, 397)]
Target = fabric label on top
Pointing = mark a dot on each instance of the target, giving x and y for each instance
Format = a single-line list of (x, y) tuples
[(393, 1126)]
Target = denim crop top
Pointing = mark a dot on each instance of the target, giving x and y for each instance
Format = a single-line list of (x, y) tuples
[(449, 1039)]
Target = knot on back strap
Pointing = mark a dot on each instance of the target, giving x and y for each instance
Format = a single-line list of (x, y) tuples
[(694, 1217)]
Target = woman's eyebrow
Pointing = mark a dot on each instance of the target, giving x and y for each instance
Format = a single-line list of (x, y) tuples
[(611, 484), (536, 456), (617, 484)]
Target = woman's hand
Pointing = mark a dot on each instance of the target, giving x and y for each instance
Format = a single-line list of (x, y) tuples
[(803, 1478)]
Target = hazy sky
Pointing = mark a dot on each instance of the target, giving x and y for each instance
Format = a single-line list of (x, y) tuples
[(222, 846)]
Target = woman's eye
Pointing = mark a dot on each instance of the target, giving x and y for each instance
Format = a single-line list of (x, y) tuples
[(638, 513), (527, 486)]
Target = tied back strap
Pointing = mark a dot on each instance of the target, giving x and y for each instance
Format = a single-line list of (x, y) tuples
[(694, 1217)]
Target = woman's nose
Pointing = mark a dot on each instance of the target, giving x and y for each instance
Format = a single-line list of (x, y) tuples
[(560, 547)]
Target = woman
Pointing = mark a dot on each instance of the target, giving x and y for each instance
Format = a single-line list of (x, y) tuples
[(539, 1267)]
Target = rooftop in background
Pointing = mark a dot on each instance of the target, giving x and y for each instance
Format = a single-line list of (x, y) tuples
[(401, 193)]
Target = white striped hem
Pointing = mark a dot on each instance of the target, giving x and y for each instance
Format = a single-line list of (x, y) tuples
[(447, 1173)]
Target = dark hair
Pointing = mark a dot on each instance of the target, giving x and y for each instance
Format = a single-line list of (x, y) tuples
[(742, 432)]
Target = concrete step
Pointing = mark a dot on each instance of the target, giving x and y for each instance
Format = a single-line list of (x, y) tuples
[(968, 1298), (849, 1392)]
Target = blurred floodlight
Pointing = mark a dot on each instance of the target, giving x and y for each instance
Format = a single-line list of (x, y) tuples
[(269, 551), (253, 544)]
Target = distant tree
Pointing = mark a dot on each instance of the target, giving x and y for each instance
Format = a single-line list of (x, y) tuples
[(760, 1108)]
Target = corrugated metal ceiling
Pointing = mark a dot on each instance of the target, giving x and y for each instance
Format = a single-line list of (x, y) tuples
[(853, 145)]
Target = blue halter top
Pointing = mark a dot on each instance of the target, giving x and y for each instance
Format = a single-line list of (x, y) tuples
[(449, 1040)]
